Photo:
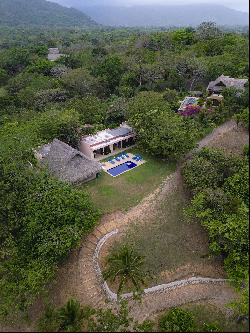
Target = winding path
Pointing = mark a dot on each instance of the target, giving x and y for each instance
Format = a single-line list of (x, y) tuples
[(158, 298), (84, 282)]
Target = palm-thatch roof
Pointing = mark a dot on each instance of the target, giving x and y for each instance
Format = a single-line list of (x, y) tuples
[(67, 163), (226, 82)]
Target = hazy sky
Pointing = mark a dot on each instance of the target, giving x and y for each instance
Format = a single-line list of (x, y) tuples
[(236, 4), (242, 5)]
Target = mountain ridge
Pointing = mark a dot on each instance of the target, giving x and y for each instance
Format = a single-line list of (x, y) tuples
[(41, 13), (159, 15), (179, 15)]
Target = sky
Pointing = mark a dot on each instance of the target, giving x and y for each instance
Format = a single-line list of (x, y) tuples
[(241, 5)]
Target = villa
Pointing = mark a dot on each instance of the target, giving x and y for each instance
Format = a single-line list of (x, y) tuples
[(108, 142)]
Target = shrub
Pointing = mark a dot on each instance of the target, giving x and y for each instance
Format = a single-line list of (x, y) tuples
[(71, 316), (49, 322), (241, 306), (177, 320), (242, 118), (68, 318), (190, 110), (220, 184), (146, 326), (211, 327), (246, 151), (109, 321), (209, 168)]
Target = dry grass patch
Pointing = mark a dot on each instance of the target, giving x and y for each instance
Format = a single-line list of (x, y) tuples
[(231, 141), (173, 247)]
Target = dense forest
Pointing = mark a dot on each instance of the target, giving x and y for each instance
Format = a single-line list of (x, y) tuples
[(106, 77)]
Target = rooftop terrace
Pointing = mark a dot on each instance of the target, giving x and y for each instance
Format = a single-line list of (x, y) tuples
[(108, 135)]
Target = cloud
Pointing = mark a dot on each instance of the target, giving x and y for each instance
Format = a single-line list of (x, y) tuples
[(242, 5)]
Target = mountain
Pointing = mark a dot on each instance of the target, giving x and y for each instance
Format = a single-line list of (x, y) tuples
[(41, 13), (158, 15)]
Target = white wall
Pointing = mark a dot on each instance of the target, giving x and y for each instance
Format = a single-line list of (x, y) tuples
[(86, 150)]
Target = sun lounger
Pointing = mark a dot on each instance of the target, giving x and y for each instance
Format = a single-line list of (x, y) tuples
[(122, 156)]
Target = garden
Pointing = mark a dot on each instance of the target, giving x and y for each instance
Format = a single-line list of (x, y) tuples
[(120, 193)]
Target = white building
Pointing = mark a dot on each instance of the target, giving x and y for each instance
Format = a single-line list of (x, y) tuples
[(107, 142), (189, 100), (54, 54)]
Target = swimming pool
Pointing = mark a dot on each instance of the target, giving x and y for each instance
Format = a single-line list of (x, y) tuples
[(118, 170)]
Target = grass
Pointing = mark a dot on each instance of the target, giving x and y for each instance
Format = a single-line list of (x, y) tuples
[(232, 142), (3, 92), (205, 312), (112, 194), (168, 241)]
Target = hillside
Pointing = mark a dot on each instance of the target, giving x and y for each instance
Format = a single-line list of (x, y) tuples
[(159, 15), (41, 13)]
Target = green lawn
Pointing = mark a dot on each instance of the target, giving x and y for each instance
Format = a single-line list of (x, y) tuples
[(112, 194)]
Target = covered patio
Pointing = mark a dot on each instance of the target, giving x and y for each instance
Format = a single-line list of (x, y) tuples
[(108, 142)]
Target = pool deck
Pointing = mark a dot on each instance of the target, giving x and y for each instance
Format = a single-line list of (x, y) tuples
[(107, 165)]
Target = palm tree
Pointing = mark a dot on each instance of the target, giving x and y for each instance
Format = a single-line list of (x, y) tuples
[(71, 316), (126, 265)]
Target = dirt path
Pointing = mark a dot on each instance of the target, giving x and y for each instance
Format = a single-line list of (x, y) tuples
[(218, 132), (88, 285), (152, 304)]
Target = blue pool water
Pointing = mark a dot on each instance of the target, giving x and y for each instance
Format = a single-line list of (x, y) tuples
[(121, 168)]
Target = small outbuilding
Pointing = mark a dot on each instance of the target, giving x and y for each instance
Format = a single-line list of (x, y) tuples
[(215, 99), (54, 54), (67, 163), (222, 82), (196, 93), (189, 100)]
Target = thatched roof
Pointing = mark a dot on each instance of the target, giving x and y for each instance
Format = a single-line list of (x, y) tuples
[(228, 82), (67, 163)]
